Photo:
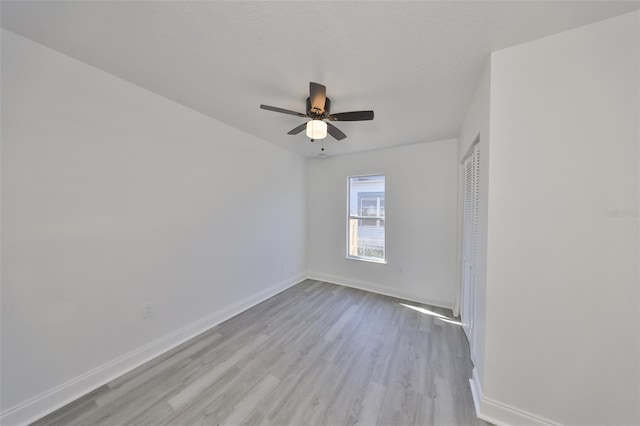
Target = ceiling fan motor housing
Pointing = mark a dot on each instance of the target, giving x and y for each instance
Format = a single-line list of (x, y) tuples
[(315, 113)]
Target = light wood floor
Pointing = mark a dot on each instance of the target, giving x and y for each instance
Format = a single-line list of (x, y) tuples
[(315, 354)]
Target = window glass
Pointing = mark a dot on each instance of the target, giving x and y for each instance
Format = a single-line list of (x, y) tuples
[(366, 218)]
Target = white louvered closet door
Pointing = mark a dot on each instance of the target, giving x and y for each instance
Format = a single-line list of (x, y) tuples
[(470, 243)]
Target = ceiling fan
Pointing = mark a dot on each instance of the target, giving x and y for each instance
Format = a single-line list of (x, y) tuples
[(318, 110)]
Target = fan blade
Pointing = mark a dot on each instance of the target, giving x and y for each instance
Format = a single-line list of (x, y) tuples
[(282, 110), (335, 132), (352, 116), (318, 95), (297, 129)]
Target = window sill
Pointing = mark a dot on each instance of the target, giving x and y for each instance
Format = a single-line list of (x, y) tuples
[(369, 260)]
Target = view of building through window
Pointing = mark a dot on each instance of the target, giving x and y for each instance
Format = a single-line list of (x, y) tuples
[(366, 230)]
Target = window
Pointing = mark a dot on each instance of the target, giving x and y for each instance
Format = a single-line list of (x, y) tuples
[(366, 218)]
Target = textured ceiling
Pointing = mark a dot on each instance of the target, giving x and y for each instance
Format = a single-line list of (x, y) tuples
[(416, 64)]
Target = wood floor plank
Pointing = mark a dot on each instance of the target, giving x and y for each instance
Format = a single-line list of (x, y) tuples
[(315, 354), (73, 410), (122, 388), (242, 411), (344, 319), (193, 390), (372, 404)]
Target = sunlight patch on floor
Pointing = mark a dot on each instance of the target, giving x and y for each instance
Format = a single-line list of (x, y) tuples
[(438, 316)]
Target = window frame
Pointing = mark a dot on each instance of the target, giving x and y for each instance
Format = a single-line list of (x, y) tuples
[(350, 217)]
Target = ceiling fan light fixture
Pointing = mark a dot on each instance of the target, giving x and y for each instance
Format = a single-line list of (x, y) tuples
[(316, 129)]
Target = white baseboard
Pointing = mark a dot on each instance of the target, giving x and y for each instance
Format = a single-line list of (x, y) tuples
[(55, 398), (476, 390), (498, 413), (376, 288), (505, 415)]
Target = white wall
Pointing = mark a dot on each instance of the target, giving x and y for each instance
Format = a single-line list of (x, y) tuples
[(421, 203), (562, 329), (476, 128), (113, 196)]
